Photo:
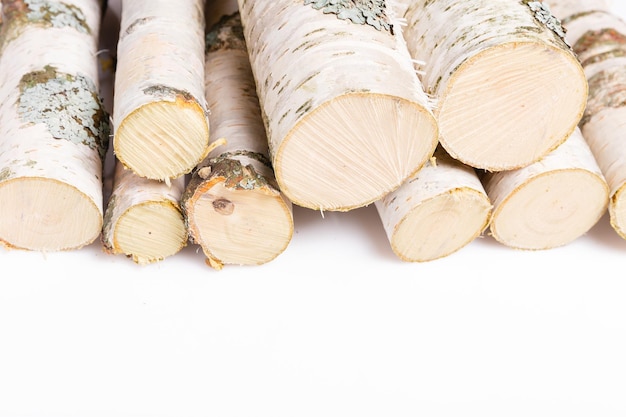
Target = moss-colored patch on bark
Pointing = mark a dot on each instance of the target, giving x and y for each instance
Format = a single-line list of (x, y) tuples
[(235, 174), (362, 12), (46, 13), (69, 106), (226, 34), (542, 13), (167, 93)]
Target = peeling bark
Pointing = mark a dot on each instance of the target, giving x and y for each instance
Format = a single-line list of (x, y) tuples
[(345, 113), (54, 128)]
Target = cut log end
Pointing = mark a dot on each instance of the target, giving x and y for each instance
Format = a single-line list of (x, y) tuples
[(441, 225), (334, 161), (239, 227), (46, 215), (150, 232), (163, 139), (510, 105), (551, 210)]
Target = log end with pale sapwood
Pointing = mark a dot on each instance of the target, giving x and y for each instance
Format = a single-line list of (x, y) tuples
[(53, 126), (143, 219), (598, 36), (232, 205), (438, 211), (346, 115), (160, 118), (549, 203), (509, 89)]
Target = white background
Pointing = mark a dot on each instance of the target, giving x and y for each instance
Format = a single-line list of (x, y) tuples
[(337, 326)]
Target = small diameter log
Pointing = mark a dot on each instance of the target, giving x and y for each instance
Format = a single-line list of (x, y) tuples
[(53, 126), (598, 36), (438, 211), (160, 118), (233, 207), (143, 219), (346, 115), (509, 89), (549, 203)]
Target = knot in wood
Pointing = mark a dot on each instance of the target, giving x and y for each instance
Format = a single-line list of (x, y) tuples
[(224, 206)]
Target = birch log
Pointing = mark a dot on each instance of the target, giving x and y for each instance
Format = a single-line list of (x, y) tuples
[(438, 211), (509, 90), (53, 127), (143, 218), (549, 203), (598, 37), (160, 119), (233, 207), (346, 115)]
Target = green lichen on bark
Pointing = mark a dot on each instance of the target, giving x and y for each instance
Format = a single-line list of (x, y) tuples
[(543, 15), (46, 13), (236, 175), (56, 14), (68, 105), (226, 34), (607, 89), (362, 12)]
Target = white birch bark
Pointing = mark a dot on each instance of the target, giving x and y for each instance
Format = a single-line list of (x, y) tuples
[(143, 218), (346, 115), (438, 211), (549, 203), (598, 36), (509, 90), (160, 119), (53, 127), (232, 205)]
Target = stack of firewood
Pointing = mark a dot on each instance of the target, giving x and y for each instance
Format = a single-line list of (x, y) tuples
[(454, 119)]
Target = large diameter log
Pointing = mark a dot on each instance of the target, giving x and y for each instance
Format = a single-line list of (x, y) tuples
[(508, 88), (598, 36), (549, 203), (346, 115), (53, 127), (143, 219), (160, 118), (233, 207), (438, 211)]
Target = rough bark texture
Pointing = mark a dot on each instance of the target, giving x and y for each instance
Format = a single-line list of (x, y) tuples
[(549, 203), (346, 115), (438, 211), (508, 88), (160, 117), (233, 207), (53, 126), (599, 39)]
